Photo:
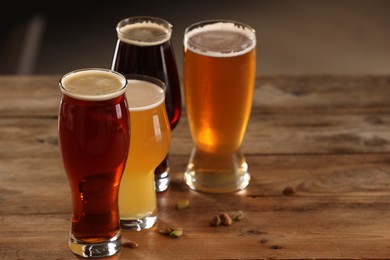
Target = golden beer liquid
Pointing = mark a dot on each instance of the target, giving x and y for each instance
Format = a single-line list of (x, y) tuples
[(219, 86), (149, 144)]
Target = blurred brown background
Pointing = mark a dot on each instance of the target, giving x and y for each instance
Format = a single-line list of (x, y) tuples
[(294, 36)]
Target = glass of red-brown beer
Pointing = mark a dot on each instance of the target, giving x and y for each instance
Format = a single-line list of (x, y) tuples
[(144, 47), (219, 74), (93, 131)]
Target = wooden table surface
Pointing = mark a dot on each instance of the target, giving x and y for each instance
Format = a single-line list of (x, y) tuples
[(326, 137)]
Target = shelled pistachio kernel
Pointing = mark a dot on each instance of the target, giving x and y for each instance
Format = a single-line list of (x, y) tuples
[(171, 231), (182, 204), (177, 232)]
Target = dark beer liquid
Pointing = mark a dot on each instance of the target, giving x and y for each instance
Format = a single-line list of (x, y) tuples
[(94, 139), (152, 60)]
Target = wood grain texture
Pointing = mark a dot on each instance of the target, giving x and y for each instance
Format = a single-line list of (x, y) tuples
[(327, 138)]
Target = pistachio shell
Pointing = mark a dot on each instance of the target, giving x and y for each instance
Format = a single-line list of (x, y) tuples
[(238, 215), (215, 221), (225, 219)]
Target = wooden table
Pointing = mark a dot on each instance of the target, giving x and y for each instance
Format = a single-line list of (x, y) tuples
[(326, 137)]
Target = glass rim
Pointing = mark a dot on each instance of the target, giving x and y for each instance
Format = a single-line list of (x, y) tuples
[(222, 25), (214, 21), (87, 97), (162, 37)]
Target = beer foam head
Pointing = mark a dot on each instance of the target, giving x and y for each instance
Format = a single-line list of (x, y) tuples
[(144, 31), (220, 38), (143, 95), (93, 84)]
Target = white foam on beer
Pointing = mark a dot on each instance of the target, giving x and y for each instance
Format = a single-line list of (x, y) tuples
[(93, 84), (143, 95), (144, 33), (212, 40)]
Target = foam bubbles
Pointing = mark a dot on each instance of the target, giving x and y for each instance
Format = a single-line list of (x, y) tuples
[(220, 39), (144, 33), (93, 84), (143, 95)]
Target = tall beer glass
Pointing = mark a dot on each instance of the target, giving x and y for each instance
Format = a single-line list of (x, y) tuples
[(219, 74), (144, 47), (93, 130), (150, 140)]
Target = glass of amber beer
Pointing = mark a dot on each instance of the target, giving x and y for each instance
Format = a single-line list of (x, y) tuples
[(219, 75), (150, 141), (93, 131), (144, 47)]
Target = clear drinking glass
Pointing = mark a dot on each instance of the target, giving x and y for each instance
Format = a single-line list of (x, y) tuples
[(144, 47), (219, 75), (93, 131), (150, 141)]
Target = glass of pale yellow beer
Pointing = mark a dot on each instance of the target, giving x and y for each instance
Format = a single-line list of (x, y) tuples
[(150, 141), (219, 75)]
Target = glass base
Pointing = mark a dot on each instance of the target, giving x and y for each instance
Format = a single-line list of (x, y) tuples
[(138, 224), (162, 181), (217, 173), (95, 250)]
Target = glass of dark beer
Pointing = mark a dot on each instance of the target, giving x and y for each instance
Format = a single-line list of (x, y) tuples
[(144, 47), (219, 75), (93, 131)]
